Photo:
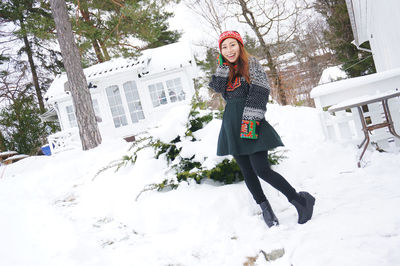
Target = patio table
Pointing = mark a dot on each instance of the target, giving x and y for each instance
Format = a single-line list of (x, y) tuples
[(364, 100)]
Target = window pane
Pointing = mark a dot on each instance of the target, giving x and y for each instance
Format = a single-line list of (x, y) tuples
[(162, 96), (175, 90), (133, 100), (96, 109), (116, 108), (71, 116), (170, 84), (157, 94)]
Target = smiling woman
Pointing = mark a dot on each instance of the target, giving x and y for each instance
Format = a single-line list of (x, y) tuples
[(245, 133)]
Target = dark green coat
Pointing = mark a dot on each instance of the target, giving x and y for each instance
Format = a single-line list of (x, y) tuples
[(244, 101)]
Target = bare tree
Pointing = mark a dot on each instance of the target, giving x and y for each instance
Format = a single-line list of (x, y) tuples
[(88, 129), (215, 15), (13, 82), (274, 22), (312, 56)]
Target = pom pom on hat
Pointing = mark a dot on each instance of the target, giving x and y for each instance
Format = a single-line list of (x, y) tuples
[(229, 34)]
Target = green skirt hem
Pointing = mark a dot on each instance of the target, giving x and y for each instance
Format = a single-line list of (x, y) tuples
[(229, 141)]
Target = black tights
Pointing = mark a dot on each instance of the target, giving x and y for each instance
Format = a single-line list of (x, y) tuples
[(257, 164)]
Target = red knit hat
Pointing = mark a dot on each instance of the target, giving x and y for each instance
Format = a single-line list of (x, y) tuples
[(229, 34)]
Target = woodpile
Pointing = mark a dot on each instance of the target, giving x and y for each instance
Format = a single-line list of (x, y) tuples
[(9, 157)]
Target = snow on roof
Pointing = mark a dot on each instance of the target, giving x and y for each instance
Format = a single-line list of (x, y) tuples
[(332, 74), (347, 84), (151, 61)]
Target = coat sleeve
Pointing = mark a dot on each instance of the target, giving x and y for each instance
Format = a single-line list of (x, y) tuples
[(256, 102), (219, 80)]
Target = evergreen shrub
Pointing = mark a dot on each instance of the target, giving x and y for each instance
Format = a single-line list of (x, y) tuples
[(186, 169), (21, 127)]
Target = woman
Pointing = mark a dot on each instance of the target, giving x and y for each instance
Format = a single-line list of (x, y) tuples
[(245, 133)]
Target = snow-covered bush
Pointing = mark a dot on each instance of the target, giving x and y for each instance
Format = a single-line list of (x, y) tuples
[(185, 163)]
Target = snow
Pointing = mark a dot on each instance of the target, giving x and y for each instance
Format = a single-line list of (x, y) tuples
[(365, 99), (56, 211), (286, 57), (17, 157), (7, 153), (332, 74), (349, 84)]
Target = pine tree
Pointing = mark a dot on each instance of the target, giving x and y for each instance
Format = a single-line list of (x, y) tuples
[(2, 142), (31, 17), (21, 127), (87, 125), (339, 37), (108, 27)]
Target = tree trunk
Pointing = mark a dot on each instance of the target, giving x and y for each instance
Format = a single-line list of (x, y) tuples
[(274, 73), (88, 129), (96, 48), (33, 68), (105, 52), (249, 17)]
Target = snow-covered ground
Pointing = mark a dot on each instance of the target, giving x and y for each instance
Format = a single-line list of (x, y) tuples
[(52, 211)]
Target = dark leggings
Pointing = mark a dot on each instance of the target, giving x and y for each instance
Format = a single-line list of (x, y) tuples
[(257, 164)]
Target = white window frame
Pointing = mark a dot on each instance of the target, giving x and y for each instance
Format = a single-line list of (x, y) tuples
[(175, 90), (133, 101), (157, 94), (116, 106), (70, 110), (96, 109)]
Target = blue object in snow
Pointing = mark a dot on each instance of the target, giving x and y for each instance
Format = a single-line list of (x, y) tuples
[(46, 150)]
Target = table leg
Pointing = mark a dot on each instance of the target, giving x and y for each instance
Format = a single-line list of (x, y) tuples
[(366, 135), (389, 118), (362, 142)]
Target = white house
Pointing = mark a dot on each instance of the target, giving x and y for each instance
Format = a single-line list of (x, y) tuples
[(128, 95), (377, 22)]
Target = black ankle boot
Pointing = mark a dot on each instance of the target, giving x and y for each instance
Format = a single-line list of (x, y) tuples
[(269, 216), (304, 206)]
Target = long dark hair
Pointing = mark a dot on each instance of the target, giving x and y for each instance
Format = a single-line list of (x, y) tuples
[(241, 69)]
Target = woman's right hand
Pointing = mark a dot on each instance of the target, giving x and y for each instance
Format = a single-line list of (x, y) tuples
[(220, 60)]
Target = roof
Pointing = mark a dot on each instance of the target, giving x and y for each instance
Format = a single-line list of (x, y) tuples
[(50, 115), (151, 61), (358, 17)]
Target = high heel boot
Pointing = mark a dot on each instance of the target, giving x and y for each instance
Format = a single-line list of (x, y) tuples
[(268, 214), (304, 205)]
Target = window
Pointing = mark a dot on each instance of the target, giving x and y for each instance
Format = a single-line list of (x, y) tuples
[(175, 90), (157, 94), (115, 102), (96, 109), (133, 100), (71, 116)]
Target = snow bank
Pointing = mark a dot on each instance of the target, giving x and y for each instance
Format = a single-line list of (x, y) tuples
[(54, 213)]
